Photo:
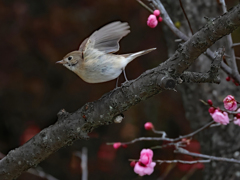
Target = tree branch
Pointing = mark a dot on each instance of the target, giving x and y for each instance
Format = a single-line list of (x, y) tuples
[(167, 20), (184, 151), (211, 76), (229, 42), (72, 126)]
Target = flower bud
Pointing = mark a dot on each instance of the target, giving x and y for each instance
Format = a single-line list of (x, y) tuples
[(156, 12), (230, 103), (132, 163), (236, 84), (228, 78), (160, 19), (124, 145), (237, 118), (210, 102), (117, 145), (211, 110), (148, 126)]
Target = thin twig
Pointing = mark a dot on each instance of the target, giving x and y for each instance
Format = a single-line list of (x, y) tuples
[(145, 6), (223, 110), (177, 161), (184, 151), (224, 7), (195, 132), (163, 146), (84, 161), (163, 133), (185, 14), (167, 139), (236, 44), (146, 139), (230, 57), (178, 40), (182, 161), (39, 173)]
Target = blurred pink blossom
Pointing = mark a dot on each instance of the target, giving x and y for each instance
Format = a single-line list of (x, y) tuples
[(145, 165), (142, 169), (228, 78), (133, 163), (210, 103), (148, 126), (211, 110), (230, 103), (146, 156), (160, 19), (237, 118), (152, 21), (220, 117), (156, 12), (117, 145)]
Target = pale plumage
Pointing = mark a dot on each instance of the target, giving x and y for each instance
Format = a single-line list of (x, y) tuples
[(94, 61)]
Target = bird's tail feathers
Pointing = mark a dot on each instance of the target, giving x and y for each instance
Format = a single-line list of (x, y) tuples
[(132, 56)]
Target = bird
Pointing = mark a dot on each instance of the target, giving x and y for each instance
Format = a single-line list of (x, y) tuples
[(94, 61)]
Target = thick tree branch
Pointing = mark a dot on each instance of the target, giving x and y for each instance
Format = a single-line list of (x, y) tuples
[(72, 126), (229, 42), (212, 76), (195, 77), (167, 20)]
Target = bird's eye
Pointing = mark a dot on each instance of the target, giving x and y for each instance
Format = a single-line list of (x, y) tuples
[(70, 58)]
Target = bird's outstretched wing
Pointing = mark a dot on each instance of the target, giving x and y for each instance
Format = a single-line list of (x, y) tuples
[(107, 38)]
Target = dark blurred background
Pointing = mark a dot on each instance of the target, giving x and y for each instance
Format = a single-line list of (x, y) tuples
[(36, 34)]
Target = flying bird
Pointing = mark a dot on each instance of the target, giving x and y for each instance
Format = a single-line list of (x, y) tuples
[(94, 61)]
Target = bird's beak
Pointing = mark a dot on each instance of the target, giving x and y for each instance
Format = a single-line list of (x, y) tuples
[(60, 62)]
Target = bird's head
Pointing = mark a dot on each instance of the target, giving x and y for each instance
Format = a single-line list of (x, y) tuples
[(72, 60)]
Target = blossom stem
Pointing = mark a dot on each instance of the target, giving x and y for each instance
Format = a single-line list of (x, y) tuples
[(185, 14), (184, 151), (145, 6), (178, 161)]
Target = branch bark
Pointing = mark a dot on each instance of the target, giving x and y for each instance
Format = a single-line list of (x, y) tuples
[(212, 76), (233, 72), (72, 126)]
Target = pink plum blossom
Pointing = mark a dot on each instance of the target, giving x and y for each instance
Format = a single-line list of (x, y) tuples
[(230, 103), (237, 118), (146, 156), (142, 169), (220, 117), (148, 126), (152, 21), (145, 165), (156, 12), (117, 145)]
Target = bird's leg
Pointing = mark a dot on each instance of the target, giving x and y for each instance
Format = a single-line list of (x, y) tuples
[(115, 87), (124, 73)]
